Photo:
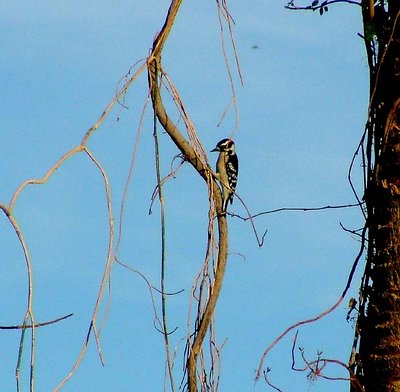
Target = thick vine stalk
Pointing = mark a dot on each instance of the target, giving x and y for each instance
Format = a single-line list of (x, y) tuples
[(202, 168)]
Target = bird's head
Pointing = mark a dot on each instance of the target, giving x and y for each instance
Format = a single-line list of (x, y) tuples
[(225, 145)]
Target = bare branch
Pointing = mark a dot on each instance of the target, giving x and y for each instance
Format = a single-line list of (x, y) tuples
[(316, 6), (266, 372), (29, 315), (355, 232), (115, 100), (129, 178), (317, 367), (321, 315), (105, 277), (36, 325), (296, 209), (163, 254), (260, 241), (223, 11)]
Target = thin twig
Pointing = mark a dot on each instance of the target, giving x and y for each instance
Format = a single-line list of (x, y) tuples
[(321, 315), (150, 288), (222, 9), (349, 179), (115, 100), (37, 325), (29, 316), (317, 366), (355, 232), (106, 273), (45, 178), (260, 240), (295, 209), (291, 6), (163, 252), (171, 174), (269, 382), (129, 177)]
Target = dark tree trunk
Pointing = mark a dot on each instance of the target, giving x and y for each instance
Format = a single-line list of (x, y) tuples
[(380, 327), (378, 364)]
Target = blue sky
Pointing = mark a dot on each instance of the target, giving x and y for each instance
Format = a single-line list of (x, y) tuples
[(302, 111)]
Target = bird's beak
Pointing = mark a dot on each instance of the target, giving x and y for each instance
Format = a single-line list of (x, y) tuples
[(214, 150)]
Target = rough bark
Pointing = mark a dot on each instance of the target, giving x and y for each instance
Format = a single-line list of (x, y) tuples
[(380, 329), (378, 367)]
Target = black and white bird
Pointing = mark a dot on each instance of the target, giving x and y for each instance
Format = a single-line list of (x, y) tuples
[(227, 169)]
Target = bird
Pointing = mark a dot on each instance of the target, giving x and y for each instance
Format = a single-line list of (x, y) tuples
[(227, 170)]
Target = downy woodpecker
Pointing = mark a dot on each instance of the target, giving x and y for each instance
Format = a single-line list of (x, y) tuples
[(227, 169)]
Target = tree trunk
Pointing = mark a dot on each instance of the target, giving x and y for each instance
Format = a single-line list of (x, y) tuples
[(380, 329), (378, 367)]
